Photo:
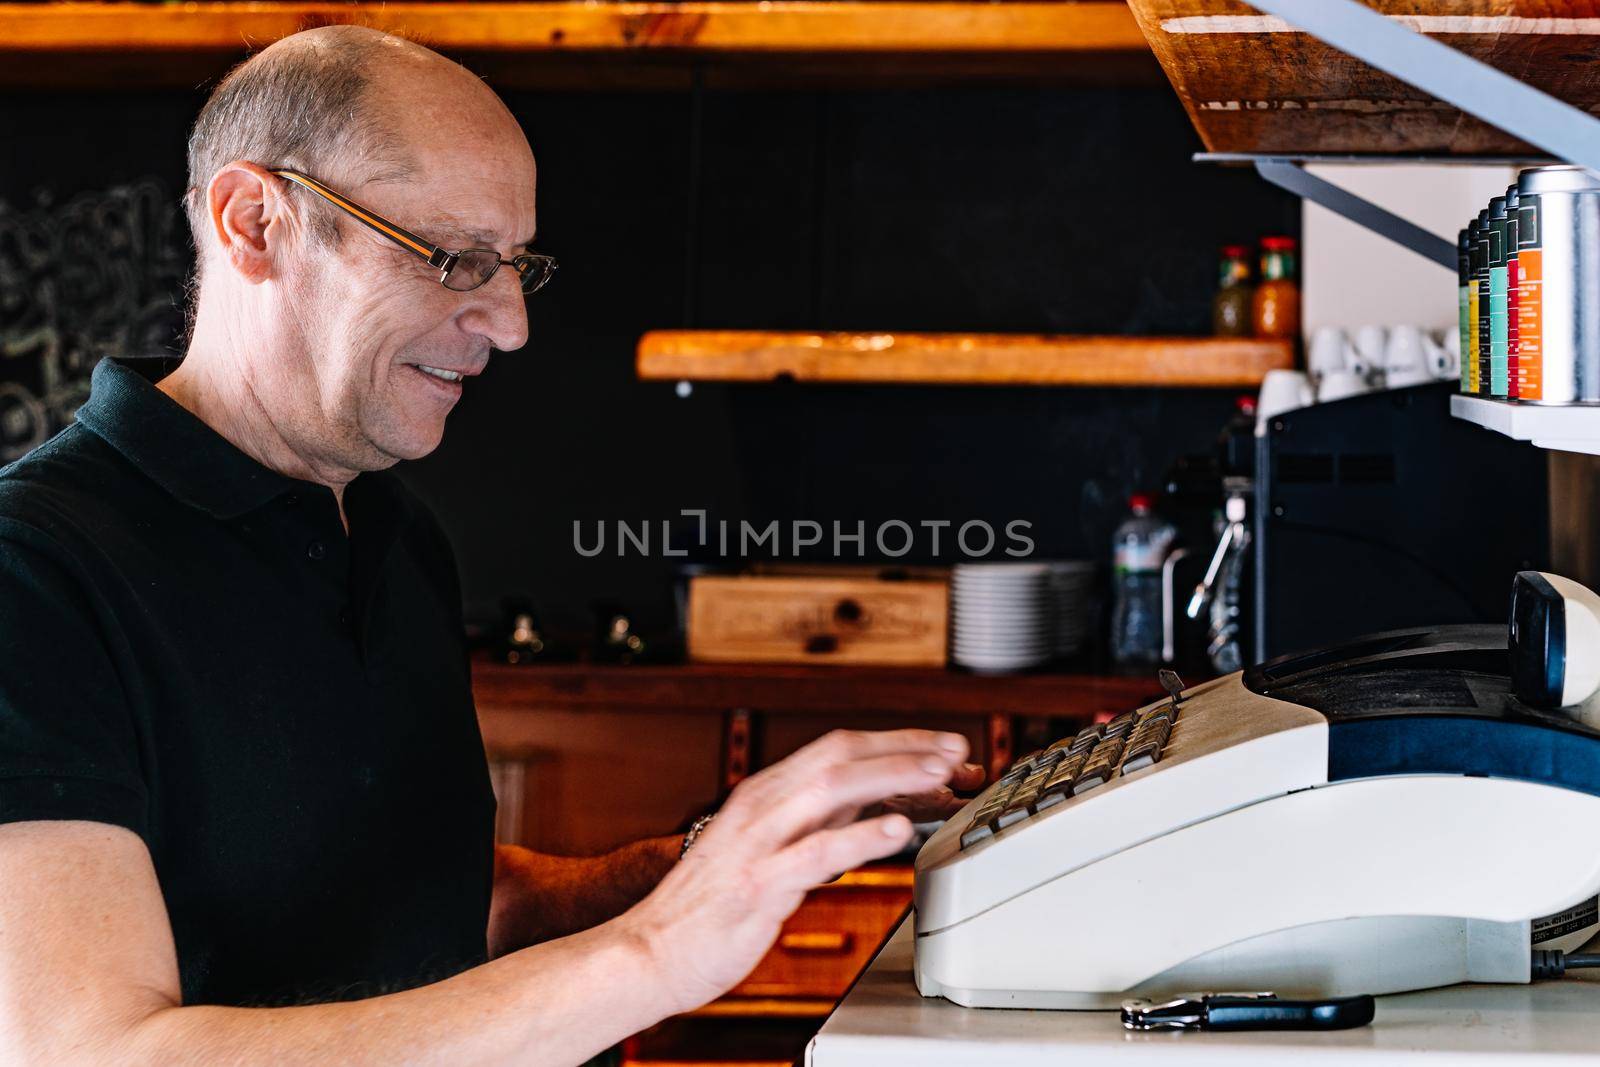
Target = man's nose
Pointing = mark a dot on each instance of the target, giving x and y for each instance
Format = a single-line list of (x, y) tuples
[(498, 312)]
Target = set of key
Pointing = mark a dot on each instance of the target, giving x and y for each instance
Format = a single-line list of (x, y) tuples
[(1073, 766)]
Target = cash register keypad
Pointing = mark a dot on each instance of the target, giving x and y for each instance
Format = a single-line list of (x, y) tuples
[(1072, 766)]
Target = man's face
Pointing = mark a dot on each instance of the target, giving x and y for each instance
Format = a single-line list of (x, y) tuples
[(372, 315)]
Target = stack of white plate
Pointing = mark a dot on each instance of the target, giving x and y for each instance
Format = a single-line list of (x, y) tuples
[(1072, 593), (1002, 616)]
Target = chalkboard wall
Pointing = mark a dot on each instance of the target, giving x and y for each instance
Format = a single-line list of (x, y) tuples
[(1072, 210)]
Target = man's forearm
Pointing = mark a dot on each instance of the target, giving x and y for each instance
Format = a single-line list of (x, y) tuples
[(557, 1003), (538, 897)]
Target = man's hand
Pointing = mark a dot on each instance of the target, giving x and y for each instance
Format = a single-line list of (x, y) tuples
[(935, 804), (793, 826)]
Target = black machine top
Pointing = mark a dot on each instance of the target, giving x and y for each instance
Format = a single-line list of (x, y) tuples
[(1431, 700)]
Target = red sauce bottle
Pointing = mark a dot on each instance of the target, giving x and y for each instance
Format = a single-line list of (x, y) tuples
[(1276, 310)]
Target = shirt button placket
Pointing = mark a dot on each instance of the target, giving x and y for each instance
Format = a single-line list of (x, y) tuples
[(316, 550)]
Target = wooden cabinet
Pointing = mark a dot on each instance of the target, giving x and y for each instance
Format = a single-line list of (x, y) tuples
[(832, 937), (770, 1016)]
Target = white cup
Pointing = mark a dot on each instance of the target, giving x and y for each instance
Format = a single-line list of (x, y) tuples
[(1444, 359), (1329, 351), (1367, 354), (1407, 349), (1281, 391), (1340, 384), (1408, 376)]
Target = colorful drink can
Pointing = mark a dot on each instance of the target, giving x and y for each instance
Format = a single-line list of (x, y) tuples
[(1513, 269), (1558, 286), (1477, 348), (1465, 305), (1497, 298)]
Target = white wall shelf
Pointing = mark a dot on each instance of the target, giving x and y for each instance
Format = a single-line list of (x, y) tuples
[(1564, 429)]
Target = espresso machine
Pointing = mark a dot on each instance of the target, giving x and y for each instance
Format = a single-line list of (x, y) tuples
[(1373, 512), (1382, 510)]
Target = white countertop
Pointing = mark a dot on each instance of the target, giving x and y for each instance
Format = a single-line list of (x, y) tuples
[(884, 1022)]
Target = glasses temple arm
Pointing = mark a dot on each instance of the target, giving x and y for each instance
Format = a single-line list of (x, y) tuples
[(436, 256)]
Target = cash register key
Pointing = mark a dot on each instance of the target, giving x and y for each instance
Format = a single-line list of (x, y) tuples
[(1059, 787), (1062, 745), (984, 815), (1140, 758), (1109, 750), (1025, 764), (1141, 735), (1051, 797), (995, 801), (1069, 767), (999, 799), (1093, 777), (1120, 726), (1043, 767), (1156, 732), (1162, 713), (1029, 788), (1016, 811), (977, 832)]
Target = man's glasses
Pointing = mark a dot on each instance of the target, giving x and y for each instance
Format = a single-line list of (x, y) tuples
[(463, 270)]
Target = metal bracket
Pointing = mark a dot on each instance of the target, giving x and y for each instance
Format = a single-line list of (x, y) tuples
[(1293, 177), (1439, 70)]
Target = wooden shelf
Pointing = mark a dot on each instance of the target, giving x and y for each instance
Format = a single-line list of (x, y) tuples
[(871, 26), (604, 42), (723, 687), (1253, 84), (958, 358)]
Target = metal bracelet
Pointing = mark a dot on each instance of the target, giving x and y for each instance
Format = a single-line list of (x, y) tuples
[(694, 833)]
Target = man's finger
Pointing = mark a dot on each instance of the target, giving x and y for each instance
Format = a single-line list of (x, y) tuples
[(926, 807), (823, 856), (838, 792), (864, 744), (969, 777)]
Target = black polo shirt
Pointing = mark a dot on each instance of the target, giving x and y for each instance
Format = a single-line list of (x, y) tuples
[(192, 648)]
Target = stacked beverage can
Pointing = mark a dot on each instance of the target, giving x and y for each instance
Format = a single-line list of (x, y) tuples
[(1480, 278), (1466, 306), (1558, 286), (1498, 300), (1513, 231), (1469, 343)]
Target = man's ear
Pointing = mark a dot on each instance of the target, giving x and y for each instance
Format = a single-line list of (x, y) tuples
[(249, 218)]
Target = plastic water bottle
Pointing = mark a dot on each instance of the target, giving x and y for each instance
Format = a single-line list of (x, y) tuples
[(1138, 549)]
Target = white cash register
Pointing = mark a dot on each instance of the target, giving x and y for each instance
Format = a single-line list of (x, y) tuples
[(1413, 809)]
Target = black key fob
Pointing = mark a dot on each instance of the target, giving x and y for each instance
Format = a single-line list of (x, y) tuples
[(1247, 1011)]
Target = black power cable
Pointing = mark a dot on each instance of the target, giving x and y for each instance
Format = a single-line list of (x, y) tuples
[(1553, 963)]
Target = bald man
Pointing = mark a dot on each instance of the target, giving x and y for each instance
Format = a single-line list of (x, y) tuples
[(244, 811)]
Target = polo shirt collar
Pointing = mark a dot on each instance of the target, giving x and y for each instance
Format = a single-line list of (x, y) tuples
[(174, 448)]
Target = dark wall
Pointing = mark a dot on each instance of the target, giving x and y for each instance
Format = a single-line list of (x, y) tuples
[(986, 209)]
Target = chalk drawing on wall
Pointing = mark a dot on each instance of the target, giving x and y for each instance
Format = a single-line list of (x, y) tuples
[(99, 275)]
